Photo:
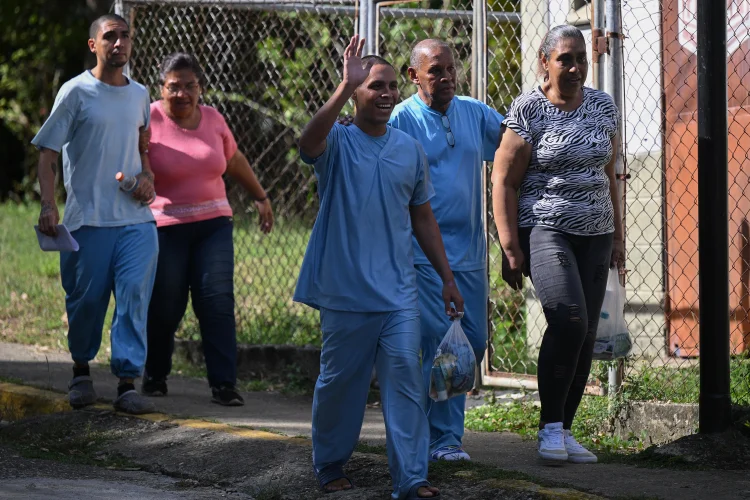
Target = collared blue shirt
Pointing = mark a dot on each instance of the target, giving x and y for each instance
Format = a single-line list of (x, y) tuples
[(455, 171)]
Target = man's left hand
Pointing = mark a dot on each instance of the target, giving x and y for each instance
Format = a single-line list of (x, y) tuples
[(451, 294), (145, 191)]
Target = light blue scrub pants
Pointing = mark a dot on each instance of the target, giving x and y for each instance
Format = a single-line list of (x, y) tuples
[(446, 418), (110, 259), (352, 344)]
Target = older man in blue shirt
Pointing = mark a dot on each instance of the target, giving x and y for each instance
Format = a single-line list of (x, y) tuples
[(458, 135)]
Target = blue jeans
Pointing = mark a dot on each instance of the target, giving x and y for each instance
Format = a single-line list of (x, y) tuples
[(110, 259), (196, 259), (352, 344), (446, 418)]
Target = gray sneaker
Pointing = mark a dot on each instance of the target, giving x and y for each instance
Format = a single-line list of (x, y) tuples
[(81, 392), (135, 404)]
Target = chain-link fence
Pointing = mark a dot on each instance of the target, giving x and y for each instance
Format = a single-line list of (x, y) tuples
[(271, 65), (268, 67)]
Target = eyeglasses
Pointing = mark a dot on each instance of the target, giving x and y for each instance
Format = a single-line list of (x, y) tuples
[(449, 133), (190, 88)]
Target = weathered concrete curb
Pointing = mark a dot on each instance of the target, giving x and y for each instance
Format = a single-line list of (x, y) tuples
[(20, 401), (661, 422), (261, 361)]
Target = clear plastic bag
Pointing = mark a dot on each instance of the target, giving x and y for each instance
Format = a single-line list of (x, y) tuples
[(612, 337), (454, 366)]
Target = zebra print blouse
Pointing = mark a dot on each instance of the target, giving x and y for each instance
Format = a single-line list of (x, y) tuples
[(565, 186)]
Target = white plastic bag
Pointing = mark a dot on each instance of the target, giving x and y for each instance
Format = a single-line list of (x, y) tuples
[(612, 337), (454, 365)]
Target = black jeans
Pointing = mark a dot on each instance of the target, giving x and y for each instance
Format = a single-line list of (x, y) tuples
[(570, 277), (195, 258)]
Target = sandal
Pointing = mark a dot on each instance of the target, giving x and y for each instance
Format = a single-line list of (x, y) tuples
[(330, 474), (414, 491)]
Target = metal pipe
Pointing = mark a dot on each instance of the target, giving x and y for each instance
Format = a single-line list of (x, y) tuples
[(714, 411), (455, 15), (598, 43), (613, 86), (479, 51), (123, 11), (343, 8), (371, 21), (479, 92), (230, 3)]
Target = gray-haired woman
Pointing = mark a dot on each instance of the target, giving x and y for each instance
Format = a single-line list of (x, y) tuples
[(558, 219)]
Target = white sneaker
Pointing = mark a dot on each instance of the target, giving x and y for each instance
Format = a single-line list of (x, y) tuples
[(552, 443), (577, 454)]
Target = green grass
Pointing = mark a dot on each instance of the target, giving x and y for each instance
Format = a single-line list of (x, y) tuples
[(682, 385), (590, 428), (32, 301)]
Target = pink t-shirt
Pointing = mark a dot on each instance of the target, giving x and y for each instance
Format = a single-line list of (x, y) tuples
[(188, 166)]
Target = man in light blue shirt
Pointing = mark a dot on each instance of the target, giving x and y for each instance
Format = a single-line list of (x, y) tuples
[(95, 123), (458, 135), (374, 190)]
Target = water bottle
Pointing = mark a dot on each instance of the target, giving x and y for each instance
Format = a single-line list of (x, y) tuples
[(130, 184)]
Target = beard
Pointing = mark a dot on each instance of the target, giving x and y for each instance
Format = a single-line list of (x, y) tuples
[(117, 62)]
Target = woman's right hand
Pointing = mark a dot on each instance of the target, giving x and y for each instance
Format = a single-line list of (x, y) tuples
[(513, 262)]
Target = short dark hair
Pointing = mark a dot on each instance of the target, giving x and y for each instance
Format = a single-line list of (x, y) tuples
[(97, 24), (178, 61), (373, 60)]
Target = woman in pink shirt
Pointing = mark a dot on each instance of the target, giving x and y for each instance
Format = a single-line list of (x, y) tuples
[(190, 149)]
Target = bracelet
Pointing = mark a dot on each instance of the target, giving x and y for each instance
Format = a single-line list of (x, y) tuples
[(262, 199)]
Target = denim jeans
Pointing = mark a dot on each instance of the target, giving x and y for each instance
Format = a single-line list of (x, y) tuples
[(569, 273), (196, 258)]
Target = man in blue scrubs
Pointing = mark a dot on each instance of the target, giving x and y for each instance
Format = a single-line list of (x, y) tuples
[(458, 135), (374, 190)]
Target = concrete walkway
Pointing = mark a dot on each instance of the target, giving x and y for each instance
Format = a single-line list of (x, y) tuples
[(291, 416)]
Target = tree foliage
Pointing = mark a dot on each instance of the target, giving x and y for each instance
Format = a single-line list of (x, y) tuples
[(42, 44)]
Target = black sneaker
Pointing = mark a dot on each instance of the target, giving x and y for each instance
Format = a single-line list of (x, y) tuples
[(226, 395), (154, 387)]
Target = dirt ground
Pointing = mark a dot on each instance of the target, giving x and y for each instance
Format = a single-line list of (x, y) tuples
[(163, 460)]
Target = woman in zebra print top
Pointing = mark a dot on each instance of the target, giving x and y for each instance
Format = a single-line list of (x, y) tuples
[(558, 219)]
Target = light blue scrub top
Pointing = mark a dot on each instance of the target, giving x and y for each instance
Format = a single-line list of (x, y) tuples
[(360, 256), (456, 172), (96, 127)]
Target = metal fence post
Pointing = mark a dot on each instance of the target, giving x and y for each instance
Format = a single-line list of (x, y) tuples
[(598, 43), (713, 222), (479, 51), (614, 87), (368, 26), (479, 92), (124, 12)]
